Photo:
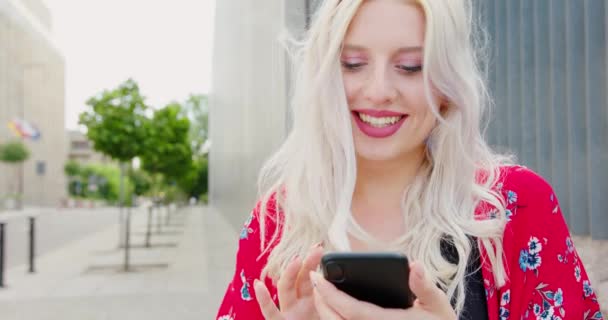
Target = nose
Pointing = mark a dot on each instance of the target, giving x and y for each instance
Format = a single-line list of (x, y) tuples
[(379, 89)]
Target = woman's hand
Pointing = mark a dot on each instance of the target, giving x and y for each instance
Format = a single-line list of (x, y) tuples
[(294, 288), (431, 302)]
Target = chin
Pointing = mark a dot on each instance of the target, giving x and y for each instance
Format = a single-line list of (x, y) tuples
[(377, 152)]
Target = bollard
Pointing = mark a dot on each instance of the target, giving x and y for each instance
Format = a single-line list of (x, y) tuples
[(159, 219), (127, 239), (168, 217), (2, 255), (32, 243), (148, 230)]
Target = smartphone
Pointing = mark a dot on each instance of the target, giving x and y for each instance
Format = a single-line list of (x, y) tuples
[(379, 278)]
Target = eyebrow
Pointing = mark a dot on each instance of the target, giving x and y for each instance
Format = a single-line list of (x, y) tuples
[(355, 47)]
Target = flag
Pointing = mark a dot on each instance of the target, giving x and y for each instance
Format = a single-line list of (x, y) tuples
[(24, 129)]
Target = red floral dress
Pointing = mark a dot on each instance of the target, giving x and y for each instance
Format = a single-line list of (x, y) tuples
[(546, 278)]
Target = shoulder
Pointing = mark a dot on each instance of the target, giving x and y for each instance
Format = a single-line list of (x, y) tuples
[(527, 195), (523, 186)]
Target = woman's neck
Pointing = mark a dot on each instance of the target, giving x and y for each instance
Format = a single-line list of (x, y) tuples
[(385, 181), (376, 204)]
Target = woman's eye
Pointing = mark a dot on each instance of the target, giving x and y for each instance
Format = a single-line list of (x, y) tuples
[(410, 69), (352, 66)]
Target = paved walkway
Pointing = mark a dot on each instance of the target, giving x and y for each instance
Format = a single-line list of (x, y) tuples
[(171, 280), (183, 276)]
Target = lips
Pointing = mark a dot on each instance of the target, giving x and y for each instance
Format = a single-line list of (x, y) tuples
[(380, 129)]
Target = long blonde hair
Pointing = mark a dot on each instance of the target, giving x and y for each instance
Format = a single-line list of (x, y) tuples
[(313, 174)]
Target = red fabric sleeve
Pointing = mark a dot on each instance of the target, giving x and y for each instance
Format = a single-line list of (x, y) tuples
[(239, 301), (547, 279)]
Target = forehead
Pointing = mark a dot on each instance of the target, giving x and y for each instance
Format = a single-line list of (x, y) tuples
[(386, 24)]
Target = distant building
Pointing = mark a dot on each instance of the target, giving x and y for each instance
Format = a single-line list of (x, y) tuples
[(32, 88), (81, 149)]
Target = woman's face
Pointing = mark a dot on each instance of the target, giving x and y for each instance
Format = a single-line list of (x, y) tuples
[(382, 72)]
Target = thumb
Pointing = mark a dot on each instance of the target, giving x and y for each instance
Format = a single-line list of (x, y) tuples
[(429, 296)]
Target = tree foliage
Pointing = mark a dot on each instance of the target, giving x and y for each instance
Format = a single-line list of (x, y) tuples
[(14, 152), (196, 109), (167, 146), (116, 121)]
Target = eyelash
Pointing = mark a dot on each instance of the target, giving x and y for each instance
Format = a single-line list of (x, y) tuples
[(354, 66)]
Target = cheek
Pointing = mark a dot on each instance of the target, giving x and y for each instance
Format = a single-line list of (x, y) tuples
[(350, 88)]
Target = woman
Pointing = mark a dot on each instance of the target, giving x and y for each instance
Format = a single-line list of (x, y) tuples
[(386, 154)]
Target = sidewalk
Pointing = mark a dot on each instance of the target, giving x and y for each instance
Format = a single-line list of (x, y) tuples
[(171, 280)]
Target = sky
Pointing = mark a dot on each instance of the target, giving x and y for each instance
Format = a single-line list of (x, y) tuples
[(166, 46)]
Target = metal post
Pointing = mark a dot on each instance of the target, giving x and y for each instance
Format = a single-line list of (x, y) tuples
[(148, 230), (159, 218), (121, 205), (168, 210), (2, 255), (127, 239), (32, 244)]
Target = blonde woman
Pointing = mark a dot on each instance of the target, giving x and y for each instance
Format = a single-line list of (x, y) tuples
[(387, 154)]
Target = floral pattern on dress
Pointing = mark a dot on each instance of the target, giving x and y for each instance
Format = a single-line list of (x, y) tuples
[(529, 257), (246, 229), (245, 293)]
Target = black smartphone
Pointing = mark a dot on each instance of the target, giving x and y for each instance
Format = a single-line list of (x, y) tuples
[(379, 278)]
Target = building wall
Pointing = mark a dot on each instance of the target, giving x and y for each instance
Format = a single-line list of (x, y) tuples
[(248, 114), (32, 88), (548, 76), (81, 150)]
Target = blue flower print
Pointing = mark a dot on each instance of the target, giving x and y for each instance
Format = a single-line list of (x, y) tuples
[(246, 230), (534, 246), (552, 304), (504, 313), (226, 317), (596, 316), (547, 314), (511, 197), (587, 288), (529, 257), (570, 244), (508, 214), (534, 261), (506, 298), (504, 304), (523, 260), (577, 273), (558, 298), (245, 294)]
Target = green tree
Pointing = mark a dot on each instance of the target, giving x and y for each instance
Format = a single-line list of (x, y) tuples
[(168, 151), (72, 168), (194, 183), (142, 182), (116, 124), (197, 110), (116, 121), (15, 153)]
